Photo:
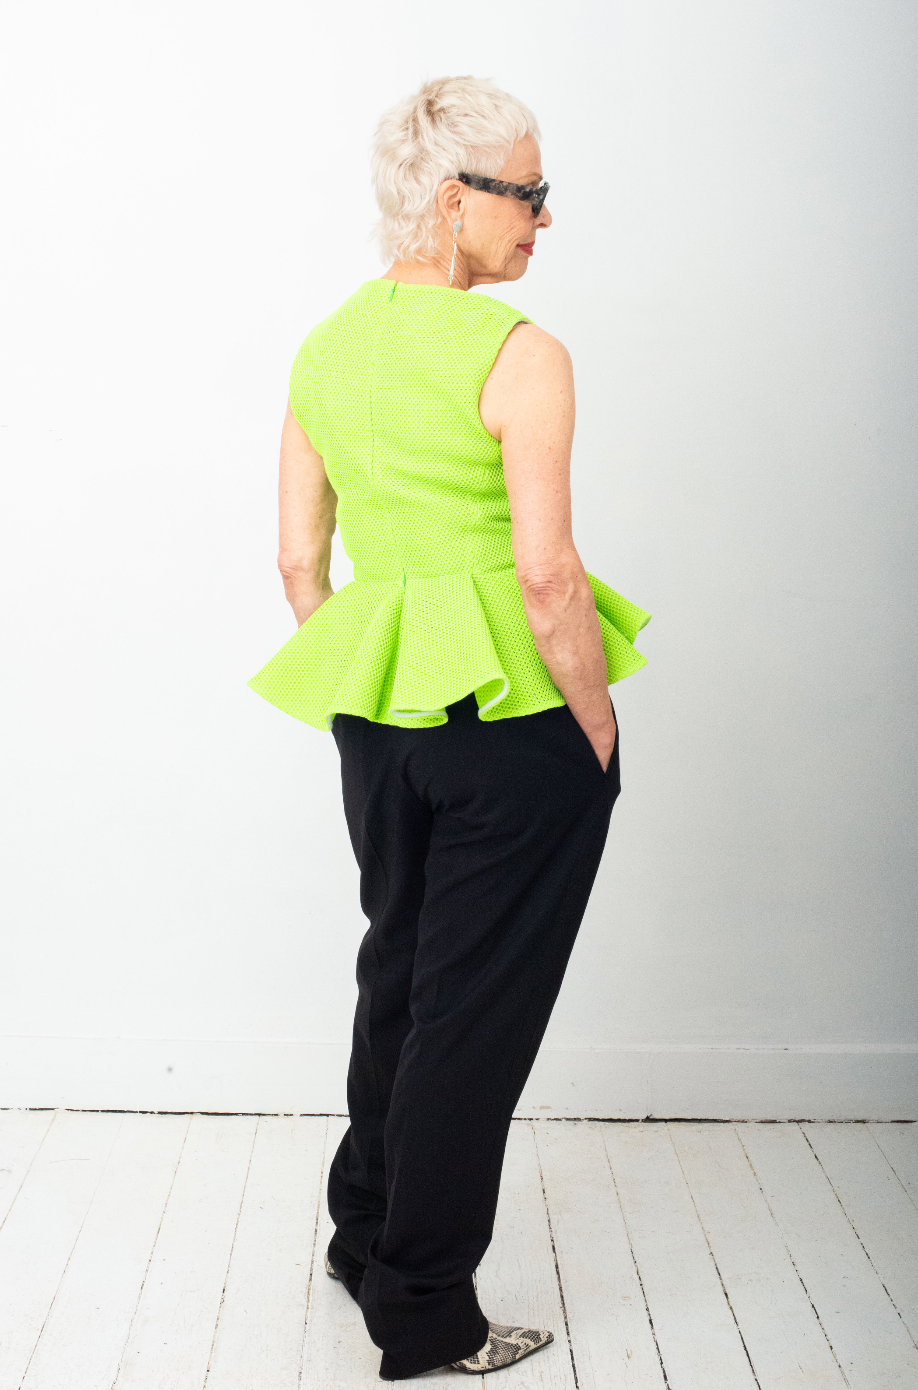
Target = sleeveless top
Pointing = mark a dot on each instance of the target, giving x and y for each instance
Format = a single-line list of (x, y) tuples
[(387, 391)]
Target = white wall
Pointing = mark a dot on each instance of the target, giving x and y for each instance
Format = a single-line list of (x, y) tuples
[(732, 266)]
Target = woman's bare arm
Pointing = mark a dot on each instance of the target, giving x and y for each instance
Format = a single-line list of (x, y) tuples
[(527, 403), (307, 521)]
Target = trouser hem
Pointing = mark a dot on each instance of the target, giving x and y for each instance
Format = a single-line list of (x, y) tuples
[(404, 1367), (349, 1271)]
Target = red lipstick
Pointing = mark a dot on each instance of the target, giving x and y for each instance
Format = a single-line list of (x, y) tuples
[(527, 246)]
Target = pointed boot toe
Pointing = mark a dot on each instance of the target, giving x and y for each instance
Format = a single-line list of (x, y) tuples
[(504, 1346)]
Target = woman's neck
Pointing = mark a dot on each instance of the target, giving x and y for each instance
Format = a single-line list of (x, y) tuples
[(425, 273)]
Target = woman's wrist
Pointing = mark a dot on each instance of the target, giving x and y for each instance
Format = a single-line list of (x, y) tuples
[(305, 600), (594, 716), (304, 611)]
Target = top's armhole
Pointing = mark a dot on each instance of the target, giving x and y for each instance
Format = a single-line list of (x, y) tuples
[(506, 334)]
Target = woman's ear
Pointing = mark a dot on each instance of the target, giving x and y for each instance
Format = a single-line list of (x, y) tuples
[(451, 200)]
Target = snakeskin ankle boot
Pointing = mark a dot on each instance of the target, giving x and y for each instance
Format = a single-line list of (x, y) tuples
[(504, 1346)]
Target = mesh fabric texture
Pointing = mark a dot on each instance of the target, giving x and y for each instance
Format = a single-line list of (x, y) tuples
[(387, 390)]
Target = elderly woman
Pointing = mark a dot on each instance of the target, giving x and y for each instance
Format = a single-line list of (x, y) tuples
[(464, 674)]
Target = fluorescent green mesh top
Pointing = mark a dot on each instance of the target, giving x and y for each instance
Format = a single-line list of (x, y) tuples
[(387, 390)]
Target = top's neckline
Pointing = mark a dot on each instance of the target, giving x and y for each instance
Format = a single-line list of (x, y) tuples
[(458, 296), (407, 285)]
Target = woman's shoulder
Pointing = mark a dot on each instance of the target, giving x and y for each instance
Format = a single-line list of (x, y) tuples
[(352, 316), (531, 367), (490, 306), (528, 344)]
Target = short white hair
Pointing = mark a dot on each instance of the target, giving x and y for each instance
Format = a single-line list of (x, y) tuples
[(451, 125)]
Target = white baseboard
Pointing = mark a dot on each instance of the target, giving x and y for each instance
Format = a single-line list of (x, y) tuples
[(271, 1076)]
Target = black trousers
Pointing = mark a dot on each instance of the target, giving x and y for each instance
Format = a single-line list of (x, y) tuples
[(478, 844)]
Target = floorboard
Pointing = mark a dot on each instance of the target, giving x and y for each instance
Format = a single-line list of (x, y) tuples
[(611, 1336), (21, 1136), (786, 1343), (899, 1143), (259, 1340), (878, 1207), (172, 1334), (83, 1338), (867, 1335), (700, 1344), (41, 1230)]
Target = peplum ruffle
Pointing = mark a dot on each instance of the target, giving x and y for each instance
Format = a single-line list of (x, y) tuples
[(400, 651)]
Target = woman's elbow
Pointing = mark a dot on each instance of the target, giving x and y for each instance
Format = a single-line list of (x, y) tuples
[(552, 586), (292, 565), (302, 566)]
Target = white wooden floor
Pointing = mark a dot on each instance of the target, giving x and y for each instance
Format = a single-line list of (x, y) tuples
[(172, 1252)]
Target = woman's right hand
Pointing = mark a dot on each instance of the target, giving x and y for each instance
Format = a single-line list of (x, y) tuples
[(603, 742)]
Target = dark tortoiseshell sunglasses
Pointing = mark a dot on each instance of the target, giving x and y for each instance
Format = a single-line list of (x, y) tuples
[(526, 194)]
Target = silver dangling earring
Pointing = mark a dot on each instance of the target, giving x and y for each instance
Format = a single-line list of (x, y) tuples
[(457, 228)]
